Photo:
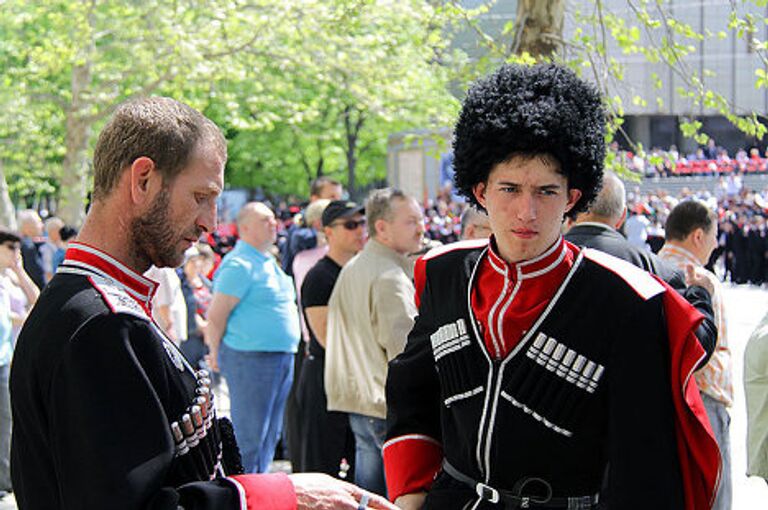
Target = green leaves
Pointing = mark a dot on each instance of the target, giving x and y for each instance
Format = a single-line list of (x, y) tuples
[(276, 75)]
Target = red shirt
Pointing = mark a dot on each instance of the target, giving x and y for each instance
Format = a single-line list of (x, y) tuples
[(508, 297)]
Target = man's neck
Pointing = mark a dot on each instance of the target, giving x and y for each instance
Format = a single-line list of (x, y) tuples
[(260, 247), (593, 219), (685, 248), (387, 244), (590, 223), (100, 231), (341, 257)]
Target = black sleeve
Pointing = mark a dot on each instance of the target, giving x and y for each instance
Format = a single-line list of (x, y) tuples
[(706, 333), (317, 288), (109, 433), (644, 470), (413, 388)]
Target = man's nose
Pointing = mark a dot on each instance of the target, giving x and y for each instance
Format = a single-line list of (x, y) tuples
[(207, 219), (527, 207)]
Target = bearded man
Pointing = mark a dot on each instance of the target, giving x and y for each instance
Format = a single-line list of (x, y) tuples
[(107, 413)]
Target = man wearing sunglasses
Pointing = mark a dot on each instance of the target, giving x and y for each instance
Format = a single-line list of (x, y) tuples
[(327, 436)]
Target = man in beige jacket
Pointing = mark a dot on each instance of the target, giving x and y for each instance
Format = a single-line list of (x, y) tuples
[(370, 314)]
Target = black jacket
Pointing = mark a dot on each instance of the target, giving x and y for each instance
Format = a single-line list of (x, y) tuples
[(587, 386), (95, 387), (608, 240)]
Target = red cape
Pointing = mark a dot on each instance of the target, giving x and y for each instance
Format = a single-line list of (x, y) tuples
[(697, 448)]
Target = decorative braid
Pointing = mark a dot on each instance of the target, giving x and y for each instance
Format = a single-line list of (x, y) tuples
[(231, 460)]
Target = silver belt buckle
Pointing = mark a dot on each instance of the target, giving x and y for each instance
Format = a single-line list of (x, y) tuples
[(487, 492)]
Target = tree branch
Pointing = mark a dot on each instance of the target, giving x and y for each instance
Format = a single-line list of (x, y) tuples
[(144, 91)]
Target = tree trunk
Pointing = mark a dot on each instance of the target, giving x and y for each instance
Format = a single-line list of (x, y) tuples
[(74, 171), (78, 131), (539, 27), (352, 130), (7, 212), (351, 164)]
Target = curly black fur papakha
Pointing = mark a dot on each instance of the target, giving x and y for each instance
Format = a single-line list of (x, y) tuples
[(542, 109)]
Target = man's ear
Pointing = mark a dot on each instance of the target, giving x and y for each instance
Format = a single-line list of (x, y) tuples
[(381, 228), (573, 196), (142, 173), (479, 191), (622, 219), (697, 236)]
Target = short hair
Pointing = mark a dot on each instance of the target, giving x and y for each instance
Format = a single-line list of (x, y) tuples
[(686, 217), (53, 222), (469, 214), (67, 232), (27, 216), (249, 208), (531, 111), (378, 206), (9, 235), (611, 200), (160, 128), (318, 184), (314, 211)]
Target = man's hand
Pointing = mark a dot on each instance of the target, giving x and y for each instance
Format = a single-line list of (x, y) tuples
[(212, 358), (413, 501), (316, 491), (698, 276), (18, 263)]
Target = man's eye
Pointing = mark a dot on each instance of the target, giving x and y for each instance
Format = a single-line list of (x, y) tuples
[(508, 189), (548, 192), (200, 197)]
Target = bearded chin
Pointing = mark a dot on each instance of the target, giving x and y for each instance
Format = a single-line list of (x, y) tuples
[(153, 235)]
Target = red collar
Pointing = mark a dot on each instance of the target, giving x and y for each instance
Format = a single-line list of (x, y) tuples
[(537, 266), (507, 299), (87, 257)]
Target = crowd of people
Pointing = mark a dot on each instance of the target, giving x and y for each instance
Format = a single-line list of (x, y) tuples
[(317, 439), (709, 159), (741, 256), (212, 303), (387, 343)]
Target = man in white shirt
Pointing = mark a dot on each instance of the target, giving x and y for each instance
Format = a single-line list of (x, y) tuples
[(168, 306)]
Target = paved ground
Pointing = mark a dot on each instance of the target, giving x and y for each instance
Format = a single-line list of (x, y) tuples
[(745, 307)]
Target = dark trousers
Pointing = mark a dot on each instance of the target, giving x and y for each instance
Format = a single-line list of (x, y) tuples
[(292, 438), (327, 437)]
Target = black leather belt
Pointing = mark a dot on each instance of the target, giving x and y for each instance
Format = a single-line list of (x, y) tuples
[(519, 496)]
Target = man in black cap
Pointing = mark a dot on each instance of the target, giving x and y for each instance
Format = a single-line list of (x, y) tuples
[(327, 436)]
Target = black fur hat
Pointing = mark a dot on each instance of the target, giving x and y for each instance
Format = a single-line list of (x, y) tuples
[(530, 110)]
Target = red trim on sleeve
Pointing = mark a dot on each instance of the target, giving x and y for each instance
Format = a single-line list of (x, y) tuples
[(697, 448), (274, 491), (411, 463), (419, 279)]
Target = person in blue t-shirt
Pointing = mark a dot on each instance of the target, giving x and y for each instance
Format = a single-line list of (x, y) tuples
[(252, 333)]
